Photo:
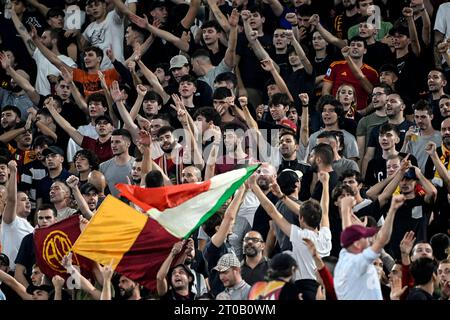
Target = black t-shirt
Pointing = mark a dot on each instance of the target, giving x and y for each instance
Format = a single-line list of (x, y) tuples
[(413, 215), (376, 169), (253, 76), (411, 80), (216, 58), (378, 54), (342, 23), (173, 295), (419, 294), (300, 81), (373, 137), (25, 255), (202, 97)]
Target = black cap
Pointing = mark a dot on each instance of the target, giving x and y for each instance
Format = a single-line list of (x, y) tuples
[(88, 187), (53, 149), (4, 259), (410, 174), (54, 12), (103, 117)]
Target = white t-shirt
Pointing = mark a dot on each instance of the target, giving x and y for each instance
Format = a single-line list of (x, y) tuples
[(12, 235), (322, 241), (355, 276), (46, 68), (108, 33), (248, 207)]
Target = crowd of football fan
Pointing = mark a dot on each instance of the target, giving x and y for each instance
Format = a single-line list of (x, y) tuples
[(345, 103)]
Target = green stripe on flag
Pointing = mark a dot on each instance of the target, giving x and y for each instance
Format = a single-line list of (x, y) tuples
[(227, 194)]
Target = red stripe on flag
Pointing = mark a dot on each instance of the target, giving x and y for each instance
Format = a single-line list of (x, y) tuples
[(163, 197), (142, 262)]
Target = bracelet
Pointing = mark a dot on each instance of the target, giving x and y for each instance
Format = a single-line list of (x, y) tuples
[(283, 197), (304, 105)]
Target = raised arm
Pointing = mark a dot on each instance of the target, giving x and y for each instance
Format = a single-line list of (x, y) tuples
[(346, 206), (442, 49), (14, 285), (20, 80), (430, 189), (304, 122), (269, 65), (328, 36), (51, 56), (324, 178), (153, 80), (228, 219), (390, 188), (430, 149), (276, 7), (63, 123), (29, 44), (269, 207), (189, 18), (426, 29), (384, 235), (365, 83), (125, 115), (9, 213), (43, 9), (161, 276), (73, 182), (276, 191), (415, 44), (195, 154), (107, 273), (76, 94), (300, 52), (218, 15), (230, 54)]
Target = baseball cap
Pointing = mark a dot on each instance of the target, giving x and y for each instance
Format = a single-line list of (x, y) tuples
[(178, 61), (227, 261), (88, 187), (297, 172), (4, 259), (354, 233), (52, 149), (410, 174), (103, 117)]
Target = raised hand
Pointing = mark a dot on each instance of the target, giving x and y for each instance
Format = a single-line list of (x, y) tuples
[(275, 188), (67, 75), (443, 46), (178, 103), (66, 261), (12, 166), (107, 271), (83, 223), (289, 35), (144, 137), (73, 181), (407, 12), (116, 94), (407, 243), (58, 282), (245, 14), (314, 20), (345, 51), (182, 116), (430, 148), (5, 60), (243, 101), (177, 247), (396, 288), (140, 22), (304, 98), (212, 131), (141, 90), (405, 164), (110, 54), (291, 17), (324, 177), (253, 36), (267, 65), (347, 202), (397, 201), (233, 19), (131, 65)]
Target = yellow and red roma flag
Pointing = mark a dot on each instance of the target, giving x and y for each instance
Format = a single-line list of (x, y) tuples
[(54, 242), (139, 243)]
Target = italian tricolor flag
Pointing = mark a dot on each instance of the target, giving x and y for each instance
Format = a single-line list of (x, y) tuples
[(138, 243)]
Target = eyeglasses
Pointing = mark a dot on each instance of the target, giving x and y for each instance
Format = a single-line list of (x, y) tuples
[(247, 239)]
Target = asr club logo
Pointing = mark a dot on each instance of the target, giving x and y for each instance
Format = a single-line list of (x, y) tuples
[(56, 245)]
